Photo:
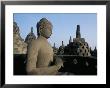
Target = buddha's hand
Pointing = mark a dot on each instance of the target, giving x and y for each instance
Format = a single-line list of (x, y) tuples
[(59, 62)]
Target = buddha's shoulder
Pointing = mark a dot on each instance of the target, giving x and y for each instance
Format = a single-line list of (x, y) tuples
[(36, 42)]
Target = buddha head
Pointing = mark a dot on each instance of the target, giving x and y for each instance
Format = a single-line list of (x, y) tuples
[(44, 28)]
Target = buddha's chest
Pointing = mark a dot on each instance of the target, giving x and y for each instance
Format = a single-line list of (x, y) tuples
[(45, 55), (46, 49)]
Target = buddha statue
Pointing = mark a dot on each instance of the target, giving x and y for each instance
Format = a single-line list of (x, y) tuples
[(40, 56)]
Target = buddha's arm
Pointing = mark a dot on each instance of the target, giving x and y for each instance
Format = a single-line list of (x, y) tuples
[(31, 63), (52, 70)]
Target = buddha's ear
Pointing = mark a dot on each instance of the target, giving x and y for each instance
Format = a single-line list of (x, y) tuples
[(40, 31), (37, 26)]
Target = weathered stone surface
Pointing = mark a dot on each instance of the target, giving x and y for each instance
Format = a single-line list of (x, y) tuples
[(78, 46), (55, 50), (30, 37), (78, 35), (44, 25), (40, 52), (19, 46), (61, 49)]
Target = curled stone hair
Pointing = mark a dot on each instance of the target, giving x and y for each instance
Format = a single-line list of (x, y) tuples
[(43, 24)]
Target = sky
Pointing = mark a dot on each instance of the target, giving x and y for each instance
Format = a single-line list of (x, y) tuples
[(64, 26)]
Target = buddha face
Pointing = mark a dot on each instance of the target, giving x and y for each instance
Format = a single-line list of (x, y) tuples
[(44, 28), (46, 31)]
